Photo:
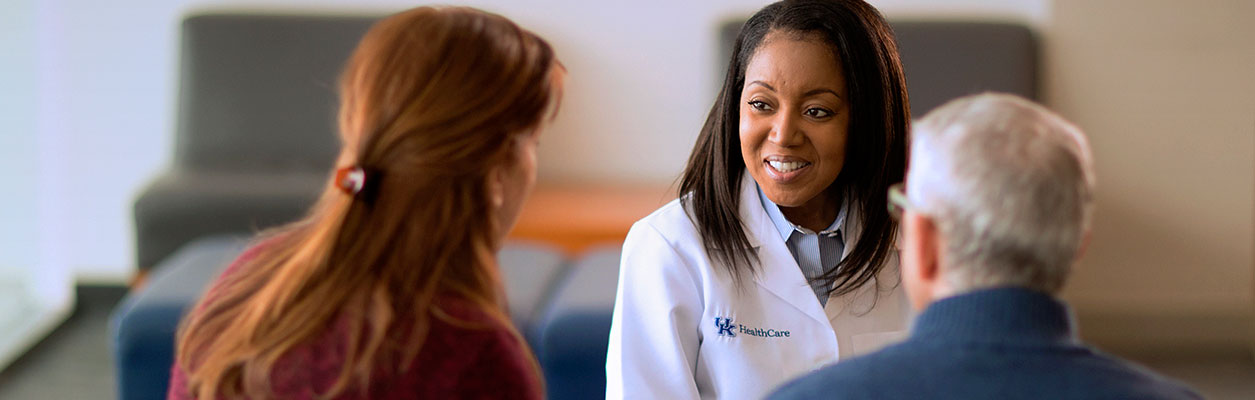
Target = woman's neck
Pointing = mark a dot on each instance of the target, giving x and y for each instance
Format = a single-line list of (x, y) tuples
[(816, 214)]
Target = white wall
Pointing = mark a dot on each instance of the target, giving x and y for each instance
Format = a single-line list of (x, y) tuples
[(35, 289), (18, 138), (640, 85), (24, 239), (104, 89)]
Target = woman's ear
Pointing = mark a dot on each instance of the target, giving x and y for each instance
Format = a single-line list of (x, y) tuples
[(496, 186)]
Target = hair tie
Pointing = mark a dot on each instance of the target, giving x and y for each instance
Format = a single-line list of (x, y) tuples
[(351, 180)]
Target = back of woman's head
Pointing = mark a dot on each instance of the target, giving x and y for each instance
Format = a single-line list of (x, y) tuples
[(875, 155), (433, 101), (437, 90)]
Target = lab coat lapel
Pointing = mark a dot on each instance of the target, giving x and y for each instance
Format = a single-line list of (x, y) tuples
[(778, 272)]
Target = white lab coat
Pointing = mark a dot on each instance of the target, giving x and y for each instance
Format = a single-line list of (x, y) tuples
[(683, 329)]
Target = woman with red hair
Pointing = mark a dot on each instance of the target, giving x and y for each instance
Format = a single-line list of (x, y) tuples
[(390, 288)]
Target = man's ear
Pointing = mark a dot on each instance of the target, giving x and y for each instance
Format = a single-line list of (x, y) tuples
[(928, 240), (1080, 250), (921, 259)]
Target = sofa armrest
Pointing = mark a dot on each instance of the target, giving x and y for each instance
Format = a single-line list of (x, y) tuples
[(180, 206), (144, 324)]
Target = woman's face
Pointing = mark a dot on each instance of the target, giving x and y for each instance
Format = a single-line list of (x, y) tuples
[(794, 116), (515, 180)]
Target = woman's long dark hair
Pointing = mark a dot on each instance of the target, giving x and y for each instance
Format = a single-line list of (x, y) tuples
[(875, 155)]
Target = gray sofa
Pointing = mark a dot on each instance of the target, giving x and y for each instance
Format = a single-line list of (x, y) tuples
[(255, 139)]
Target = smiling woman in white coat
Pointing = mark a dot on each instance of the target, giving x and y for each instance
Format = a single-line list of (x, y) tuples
[(777, 258)]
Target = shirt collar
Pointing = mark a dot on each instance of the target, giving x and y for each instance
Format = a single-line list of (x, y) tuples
[(787, 228)]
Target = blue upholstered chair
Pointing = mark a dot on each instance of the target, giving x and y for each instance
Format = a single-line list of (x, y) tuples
[(573, 328)]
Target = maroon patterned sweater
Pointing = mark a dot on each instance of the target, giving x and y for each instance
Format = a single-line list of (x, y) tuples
[(454, 363)]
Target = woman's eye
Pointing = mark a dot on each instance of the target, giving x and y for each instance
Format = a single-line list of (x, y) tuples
[(759, 105), (817, 112)]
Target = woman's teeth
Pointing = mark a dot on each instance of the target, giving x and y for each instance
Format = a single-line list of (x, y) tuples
[(787, 166)]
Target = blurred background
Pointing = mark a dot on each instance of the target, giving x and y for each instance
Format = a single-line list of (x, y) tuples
[(1164, 89)]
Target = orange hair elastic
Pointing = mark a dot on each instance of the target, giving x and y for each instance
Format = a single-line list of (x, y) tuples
[(351, 180)]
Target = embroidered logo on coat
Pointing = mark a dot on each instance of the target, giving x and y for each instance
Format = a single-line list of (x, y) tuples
[(725, 326), (728, 329)]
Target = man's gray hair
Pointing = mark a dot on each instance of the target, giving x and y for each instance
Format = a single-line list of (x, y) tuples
[(1010, 186)]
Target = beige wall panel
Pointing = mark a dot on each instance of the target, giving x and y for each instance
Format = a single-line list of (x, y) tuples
[(1166, 92)]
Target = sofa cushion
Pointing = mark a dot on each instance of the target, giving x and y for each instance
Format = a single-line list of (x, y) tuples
[(259, 91), (181, 206), (947, 59)]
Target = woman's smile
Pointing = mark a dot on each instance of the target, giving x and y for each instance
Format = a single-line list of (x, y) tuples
[(785, 169)]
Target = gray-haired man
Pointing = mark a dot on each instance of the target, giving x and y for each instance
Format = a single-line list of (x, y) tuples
[(996, 209)]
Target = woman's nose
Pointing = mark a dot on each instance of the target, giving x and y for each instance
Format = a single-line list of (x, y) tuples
[(784, 131)]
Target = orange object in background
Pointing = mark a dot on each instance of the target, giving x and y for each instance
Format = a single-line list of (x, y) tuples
[(575, 218)]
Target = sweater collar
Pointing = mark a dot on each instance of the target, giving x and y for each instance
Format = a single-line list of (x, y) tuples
[(1006, 315)]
